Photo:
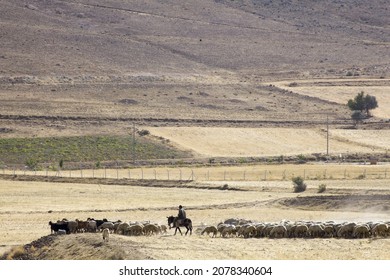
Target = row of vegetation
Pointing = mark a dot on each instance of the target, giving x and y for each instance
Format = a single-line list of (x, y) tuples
[(37, 152), (299, 185)]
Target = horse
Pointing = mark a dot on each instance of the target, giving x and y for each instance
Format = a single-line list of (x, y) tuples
[(187, 223)]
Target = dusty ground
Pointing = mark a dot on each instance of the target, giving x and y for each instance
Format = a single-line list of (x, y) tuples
[(351, 200)]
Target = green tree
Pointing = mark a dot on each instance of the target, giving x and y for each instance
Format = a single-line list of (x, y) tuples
[(357, 104), (362, 103), (370, 103)]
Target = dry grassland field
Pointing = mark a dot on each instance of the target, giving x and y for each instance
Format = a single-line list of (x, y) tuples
[(217, 142), (340, 91), (27, 207)]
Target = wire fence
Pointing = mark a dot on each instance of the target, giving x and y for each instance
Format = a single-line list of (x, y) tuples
[(244, 173)]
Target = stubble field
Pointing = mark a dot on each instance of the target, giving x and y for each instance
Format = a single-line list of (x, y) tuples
[(27, 207)]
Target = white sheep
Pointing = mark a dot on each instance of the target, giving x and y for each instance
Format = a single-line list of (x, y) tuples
[(229, 231), (246, 231), (108, 225), (316, 230), (210, 229), (301, 230), (346, 230), (329, 231), (259, 229), (361, 231), (123, 228), (106, 234), (380, 229), (136, 229), (150, 229), (278, 231)]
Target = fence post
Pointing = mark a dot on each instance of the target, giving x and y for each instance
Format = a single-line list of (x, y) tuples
[(155, 174), (142, 173), (180, 174), (284, 175), (304, 174), (168, 174), (325, 174), (105, 173), (129, 175), (345, 173), (224, 175), (265, 175), (244, 175), (192, 175)]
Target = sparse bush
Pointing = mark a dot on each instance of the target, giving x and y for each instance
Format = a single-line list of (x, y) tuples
[(302, 159), (360, 177), (321, 188), (299, 184), (16, 253), (143, 132), (32, 163)]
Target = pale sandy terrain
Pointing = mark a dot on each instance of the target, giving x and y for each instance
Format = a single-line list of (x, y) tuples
[(27, 207), (219, 142)]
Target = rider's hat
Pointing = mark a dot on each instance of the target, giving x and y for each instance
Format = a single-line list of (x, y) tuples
[(180, 206)]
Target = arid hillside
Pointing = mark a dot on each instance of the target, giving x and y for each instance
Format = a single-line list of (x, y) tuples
[(82, 67), (83, 37)]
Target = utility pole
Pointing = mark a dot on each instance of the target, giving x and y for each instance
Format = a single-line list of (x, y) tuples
[(133, 146), (327, 135)]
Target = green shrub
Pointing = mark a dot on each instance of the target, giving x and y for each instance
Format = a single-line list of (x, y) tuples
[(143, 132), (321, 188), (299, 184), (32, 163), (302, 159)]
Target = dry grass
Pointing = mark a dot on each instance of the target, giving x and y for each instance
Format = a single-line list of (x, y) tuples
[(340, 91), (242, 172), (32, 204), (218, 141)]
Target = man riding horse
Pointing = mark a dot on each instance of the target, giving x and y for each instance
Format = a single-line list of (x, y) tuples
[(182, 215), (180, 221)]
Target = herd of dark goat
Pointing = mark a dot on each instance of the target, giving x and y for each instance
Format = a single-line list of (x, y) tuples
[(66, 226)]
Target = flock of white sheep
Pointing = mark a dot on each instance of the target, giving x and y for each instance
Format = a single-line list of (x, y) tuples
[(297, 229)]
